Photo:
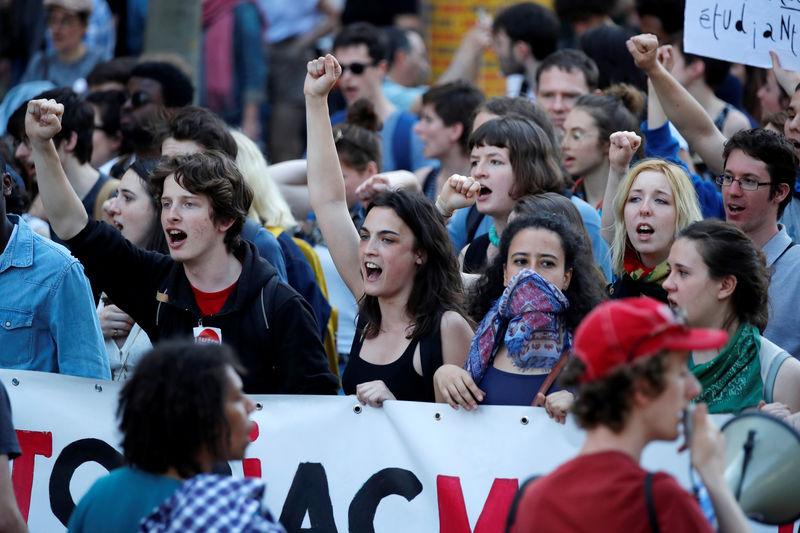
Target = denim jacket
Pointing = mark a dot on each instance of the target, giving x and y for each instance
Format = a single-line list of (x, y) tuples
[(48, 320)]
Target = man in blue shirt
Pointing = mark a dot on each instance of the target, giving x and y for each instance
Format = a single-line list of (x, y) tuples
[(47, 315)]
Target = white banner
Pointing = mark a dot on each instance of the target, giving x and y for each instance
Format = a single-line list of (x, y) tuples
[(744, 31), (330, 464)]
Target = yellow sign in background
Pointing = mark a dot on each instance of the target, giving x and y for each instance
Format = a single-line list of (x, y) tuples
[(447, 21)]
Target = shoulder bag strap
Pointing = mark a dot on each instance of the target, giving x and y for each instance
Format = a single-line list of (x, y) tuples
[(551, 377), (651, 505)]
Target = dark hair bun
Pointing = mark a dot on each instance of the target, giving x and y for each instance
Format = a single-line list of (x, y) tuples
[(362, 113), (631, 97)]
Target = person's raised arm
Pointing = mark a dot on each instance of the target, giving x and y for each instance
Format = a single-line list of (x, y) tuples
[(621, 147), (64, 209), (680, 107), (325, 181)]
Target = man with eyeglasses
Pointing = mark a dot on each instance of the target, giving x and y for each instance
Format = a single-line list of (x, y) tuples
[(361, 49), (761, 168), (155, 90)]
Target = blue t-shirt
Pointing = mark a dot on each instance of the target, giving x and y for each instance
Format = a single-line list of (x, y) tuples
[(116, 503)]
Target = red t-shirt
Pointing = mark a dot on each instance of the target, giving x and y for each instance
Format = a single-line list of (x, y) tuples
[(605, 492), (210, 303)]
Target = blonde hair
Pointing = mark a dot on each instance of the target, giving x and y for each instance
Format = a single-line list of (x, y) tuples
[(268, 207), (687, 207)]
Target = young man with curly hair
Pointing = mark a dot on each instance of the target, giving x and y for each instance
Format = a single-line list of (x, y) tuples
[(631, 385)]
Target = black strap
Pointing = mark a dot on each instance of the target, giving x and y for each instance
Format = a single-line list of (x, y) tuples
[(651, 505), (512, 511), (430, 353), (474, 218)]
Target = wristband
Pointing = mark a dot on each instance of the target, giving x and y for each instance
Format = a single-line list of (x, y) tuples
[(442, 208)]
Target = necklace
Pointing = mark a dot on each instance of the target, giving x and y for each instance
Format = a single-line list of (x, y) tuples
[(493, 238)]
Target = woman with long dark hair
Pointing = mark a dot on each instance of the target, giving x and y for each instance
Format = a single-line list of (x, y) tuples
[(398, 265)]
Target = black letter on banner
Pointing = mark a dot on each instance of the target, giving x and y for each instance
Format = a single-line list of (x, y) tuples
[(365, 503), (70, 458), (309, 492)]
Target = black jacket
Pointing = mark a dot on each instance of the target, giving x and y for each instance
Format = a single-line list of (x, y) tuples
[(270, 326)]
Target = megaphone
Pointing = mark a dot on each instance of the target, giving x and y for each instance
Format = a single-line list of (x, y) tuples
[(762, 461)]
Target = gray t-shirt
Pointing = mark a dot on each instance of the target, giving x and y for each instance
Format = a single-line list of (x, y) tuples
[(46, 66)]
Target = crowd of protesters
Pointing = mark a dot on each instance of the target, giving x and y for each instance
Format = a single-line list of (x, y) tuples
[(341, 222)]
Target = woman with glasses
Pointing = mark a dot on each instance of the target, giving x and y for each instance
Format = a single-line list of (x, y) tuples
[(587, 128), (718, 277), (70, 61)]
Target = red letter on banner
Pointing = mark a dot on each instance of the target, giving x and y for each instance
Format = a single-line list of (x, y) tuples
[(31, 443), (252, 467), (453, 511)]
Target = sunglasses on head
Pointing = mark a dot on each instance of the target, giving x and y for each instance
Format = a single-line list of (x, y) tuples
[(140, 98), (357, 68)]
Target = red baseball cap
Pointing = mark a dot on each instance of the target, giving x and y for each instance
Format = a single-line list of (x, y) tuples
[(619, 331)]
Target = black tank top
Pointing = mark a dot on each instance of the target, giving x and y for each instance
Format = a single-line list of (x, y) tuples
[(400, 375), (475, 255)]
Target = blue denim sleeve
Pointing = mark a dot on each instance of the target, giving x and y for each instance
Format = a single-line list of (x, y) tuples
[(661, 143), (76, 328)]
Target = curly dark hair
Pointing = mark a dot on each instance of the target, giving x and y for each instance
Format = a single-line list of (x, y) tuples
[(437, 282), (777, 153), (585, 290), (727, 251), (607, 402), (215, 175), (173, 407), (176, 87)]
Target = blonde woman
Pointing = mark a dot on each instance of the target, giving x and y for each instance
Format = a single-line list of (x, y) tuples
[(654, 201)]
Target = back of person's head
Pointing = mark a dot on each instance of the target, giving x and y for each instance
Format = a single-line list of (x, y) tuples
[(269, 207), (669, 14), (155, 240), (621, 349), (396, 39), (715, 70), (172, 408), (176, 87), (215, 175), (578, 10), (519, 105), (531, 153), (531, 23), (455, 103), (727, 251), (570, 59), (78, 118), (363, 33), (203, 126), (357, 140), (616, 109), (437, 281), (117, 71), (775, 151), (583, 292), (687, 207), (605, 44)]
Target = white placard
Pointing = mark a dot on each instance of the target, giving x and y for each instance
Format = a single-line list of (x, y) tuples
[(744, 31)]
